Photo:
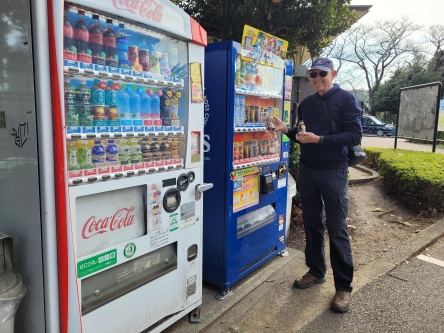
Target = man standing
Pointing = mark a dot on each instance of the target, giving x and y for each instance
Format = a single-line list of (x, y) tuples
[(323, 179)]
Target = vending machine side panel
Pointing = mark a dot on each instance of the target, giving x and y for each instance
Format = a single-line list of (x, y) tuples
[(216, 160)]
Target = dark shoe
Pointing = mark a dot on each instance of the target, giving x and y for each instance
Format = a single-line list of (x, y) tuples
[(341, 301), (307, 281)]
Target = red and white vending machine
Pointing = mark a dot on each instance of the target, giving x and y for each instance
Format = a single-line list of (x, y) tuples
[(101, 124)]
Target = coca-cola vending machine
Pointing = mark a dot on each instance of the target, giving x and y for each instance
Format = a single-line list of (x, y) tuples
[(101, 122)]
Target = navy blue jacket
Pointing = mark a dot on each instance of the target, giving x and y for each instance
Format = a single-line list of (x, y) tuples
[(346, 111)]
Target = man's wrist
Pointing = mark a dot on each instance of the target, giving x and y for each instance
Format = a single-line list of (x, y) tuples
[(321, 140), (286, 130)]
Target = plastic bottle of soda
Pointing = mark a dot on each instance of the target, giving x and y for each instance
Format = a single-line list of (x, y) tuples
[(81, 37), (96, 41), (111, 103), (69, 47), (122, 42), (145, 106), (82, 104), (97, 101), (155, 107), (134, 101), (112, 152), (109, 45), (71, 115), (98, 153), (123, 107)]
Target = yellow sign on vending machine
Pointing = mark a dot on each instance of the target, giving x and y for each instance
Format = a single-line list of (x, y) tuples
[(245, 188), (196, 83), (263, 48)]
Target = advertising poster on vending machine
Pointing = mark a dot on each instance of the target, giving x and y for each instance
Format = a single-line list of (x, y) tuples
[(263, 47), (245, 188)]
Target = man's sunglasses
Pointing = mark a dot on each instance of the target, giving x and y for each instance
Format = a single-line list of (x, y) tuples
[(321, 74)]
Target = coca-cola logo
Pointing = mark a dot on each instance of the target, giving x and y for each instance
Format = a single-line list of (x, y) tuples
[(68, 31), (149, 9), (122, 218)]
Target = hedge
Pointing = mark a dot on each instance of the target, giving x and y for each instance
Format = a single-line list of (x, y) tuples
[(416, 177)]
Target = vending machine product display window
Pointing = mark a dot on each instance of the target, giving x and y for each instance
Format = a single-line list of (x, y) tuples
[(126, 97)]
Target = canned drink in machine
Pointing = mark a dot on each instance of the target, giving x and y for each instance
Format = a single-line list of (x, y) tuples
[(235, 151), (144, 59)]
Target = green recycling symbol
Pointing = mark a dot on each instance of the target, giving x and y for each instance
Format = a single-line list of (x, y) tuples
[(129, 250)]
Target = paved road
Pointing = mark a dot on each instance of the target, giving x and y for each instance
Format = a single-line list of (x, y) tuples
[(385, 142), (407, 299)]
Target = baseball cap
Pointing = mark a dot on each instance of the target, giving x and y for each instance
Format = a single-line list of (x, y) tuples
[(324, 64)]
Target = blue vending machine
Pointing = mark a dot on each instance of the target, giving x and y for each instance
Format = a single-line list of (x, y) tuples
[(245, 213)]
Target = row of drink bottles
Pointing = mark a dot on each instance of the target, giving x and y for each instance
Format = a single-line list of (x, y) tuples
[(251, 149), (88, 154), (105, 103), (257, 77), (110, 46), (250, 114)]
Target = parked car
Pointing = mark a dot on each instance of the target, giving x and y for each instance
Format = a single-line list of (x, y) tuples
[(373, 125)]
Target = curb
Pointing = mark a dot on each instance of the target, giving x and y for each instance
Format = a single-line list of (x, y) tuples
[(400, 254), (372, 175)]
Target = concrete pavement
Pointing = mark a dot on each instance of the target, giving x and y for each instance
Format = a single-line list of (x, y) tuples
[(390, 295)]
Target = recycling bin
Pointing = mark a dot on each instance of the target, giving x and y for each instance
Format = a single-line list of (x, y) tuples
[(12, 289)]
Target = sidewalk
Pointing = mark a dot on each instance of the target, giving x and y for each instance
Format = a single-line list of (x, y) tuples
[(266, 302)]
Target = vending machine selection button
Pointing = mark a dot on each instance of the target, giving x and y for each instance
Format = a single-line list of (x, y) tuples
[(88, 72), (77, 181), (92, 179), (72, 70), (106, 177)]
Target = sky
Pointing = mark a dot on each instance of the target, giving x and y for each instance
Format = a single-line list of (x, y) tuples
[(422, 12)]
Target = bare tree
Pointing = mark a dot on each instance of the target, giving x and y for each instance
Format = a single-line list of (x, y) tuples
[(371, 51), (435, 36)]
